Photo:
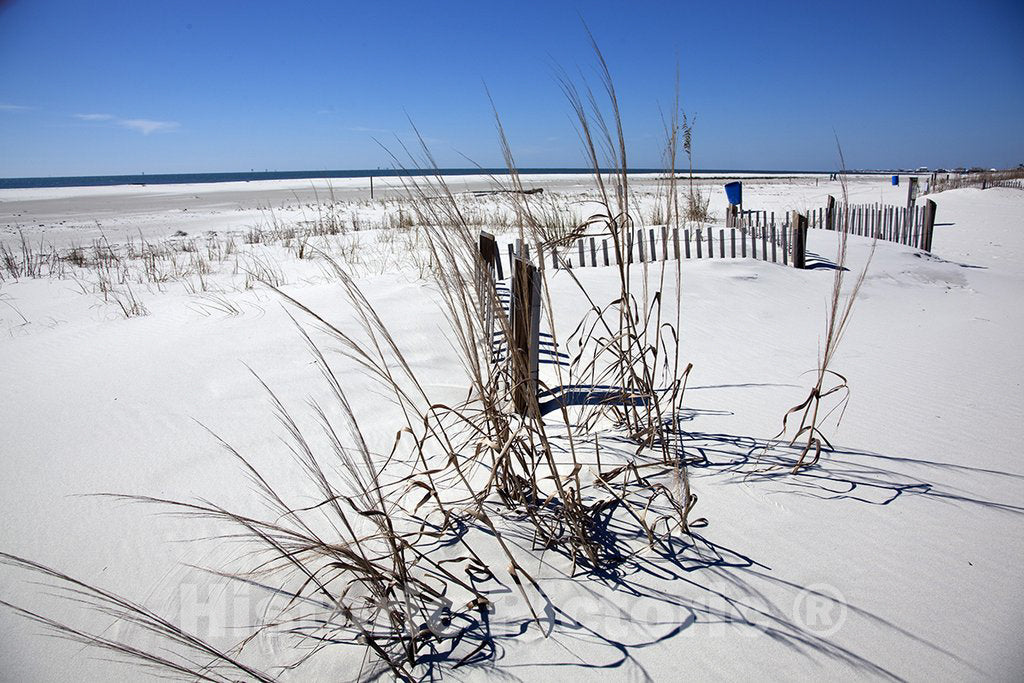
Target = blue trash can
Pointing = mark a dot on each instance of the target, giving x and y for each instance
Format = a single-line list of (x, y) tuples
[(734, 191), (895, 180)]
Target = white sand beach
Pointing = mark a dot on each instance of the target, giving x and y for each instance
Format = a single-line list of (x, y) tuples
[(897, 556)]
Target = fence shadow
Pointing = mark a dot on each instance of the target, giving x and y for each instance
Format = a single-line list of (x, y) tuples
[(584, 395), (819, 262)]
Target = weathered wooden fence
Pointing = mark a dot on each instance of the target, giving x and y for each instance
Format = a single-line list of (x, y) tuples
[(912, 225), (752, 234), (939, 182), (769, 242)]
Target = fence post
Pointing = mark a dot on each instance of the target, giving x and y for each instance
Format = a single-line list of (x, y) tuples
[(830, 213), (912, 191), (929, 224), (799, 240), (921, 226), (493, 255), (486, 292), (525, 345), (489, 253)]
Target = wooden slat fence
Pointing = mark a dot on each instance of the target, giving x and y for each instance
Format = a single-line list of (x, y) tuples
[(768, 242), (912, 226), (754, 234)]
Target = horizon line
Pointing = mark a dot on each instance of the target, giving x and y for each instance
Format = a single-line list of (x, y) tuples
[(30, 182)]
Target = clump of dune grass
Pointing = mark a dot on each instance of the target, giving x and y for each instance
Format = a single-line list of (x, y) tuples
[(829, 385), (25, 260), (698, 201), (356, 556), (128, 303), (552, 222), (629, 344), (226, 260)]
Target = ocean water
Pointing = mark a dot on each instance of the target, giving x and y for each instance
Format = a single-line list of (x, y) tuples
[(177, 178)]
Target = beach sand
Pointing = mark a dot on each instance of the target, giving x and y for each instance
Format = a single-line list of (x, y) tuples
[(898, 557)]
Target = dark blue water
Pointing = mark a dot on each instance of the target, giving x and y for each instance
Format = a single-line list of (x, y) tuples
[(176, 178)]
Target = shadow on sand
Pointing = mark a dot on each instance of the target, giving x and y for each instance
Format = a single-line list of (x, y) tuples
[(640, 598)]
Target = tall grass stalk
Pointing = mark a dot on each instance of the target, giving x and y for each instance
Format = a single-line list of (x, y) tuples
[(828, 383)]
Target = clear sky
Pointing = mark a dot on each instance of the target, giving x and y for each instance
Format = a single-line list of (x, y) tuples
[(101, 87)]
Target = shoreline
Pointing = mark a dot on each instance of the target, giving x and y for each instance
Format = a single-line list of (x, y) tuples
[(143, 180)]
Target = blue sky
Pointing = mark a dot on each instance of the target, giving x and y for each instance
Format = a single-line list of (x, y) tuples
[(105, 87)]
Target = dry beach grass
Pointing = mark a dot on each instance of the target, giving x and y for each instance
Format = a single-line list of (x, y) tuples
[(362, 555)]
